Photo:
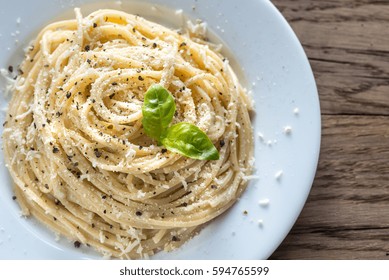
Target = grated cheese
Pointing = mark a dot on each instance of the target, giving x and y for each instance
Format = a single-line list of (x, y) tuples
[(10, 83), (264, 202), (278, 174), (261, 136), (287, 129), (182, 179)]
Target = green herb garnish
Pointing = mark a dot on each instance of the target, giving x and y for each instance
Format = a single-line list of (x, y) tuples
[(158, 111), (183, 138)]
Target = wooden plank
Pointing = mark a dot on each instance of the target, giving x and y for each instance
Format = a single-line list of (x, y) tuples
[(347, 43), (347, 213)]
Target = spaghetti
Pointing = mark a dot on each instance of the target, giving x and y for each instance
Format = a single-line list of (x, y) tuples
[(77, 152)]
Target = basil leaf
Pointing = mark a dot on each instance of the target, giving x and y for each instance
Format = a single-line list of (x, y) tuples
[(189, 140), (183, 138), (158, 110)]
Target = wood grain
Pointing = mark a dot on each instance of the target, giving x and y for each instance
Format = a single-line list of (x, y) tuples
[(347, 213), (347, 42)]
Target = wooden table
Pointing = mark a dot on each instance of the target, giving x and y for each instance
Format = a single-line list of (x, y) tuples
[(347, 213)]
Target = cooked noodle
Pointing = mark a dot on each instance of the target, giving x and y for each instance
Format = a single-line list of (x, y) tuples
[(75, 146)]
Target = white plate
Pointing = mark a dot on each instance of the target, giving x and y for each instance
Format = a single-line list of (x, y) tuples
[(274, 68)]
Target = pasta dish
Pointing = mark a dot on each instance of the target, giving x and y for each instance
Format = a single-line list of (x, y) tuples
[(75, 144)]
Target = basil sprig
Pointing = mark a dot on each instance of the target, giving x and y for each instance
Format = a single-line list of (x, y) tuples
[(183, 138)]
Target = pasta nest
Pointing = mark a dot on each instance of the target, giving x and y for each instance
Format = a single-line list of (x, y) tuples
[(75, 146)]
